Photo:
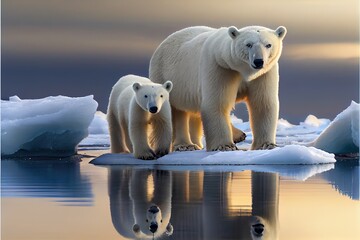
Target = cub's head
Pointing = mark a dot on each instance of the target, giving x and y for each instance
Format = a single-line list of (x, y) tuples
[(151, 97), (153, 224), (255, 49)]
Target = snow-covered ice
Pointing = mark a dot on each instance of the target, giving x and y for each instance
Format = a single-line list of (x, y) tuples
[(48, 126), (290, 164), (291, 154)]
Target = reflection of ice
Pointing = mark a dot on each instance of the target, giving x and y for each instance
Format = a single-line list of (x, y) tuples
[(45, 127), (59, 179), (345, 178)]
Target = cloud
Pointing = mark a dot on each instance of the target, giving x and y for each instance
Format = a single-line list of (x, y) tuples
[(325, 51)]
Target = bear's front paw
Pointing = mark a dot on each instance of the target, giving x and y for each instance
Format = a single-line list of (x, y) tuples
[(161, 152), (267, 146), (239, 137), (186, 147), (145, 155), (226, 147)]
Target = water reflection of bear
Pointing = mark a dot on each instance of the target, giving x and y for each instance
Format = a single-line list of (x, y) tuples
[(206, 204), (140, 202), (260, 223)]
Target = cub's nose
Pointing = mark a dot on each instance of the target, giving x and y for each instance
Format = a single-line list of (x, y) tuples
[(153, 109), (153, 227), (259, 63)]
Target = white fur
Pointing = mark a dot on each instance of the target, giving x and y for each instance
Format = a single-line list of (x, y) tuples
[(132, 126), (212, 69), (161, 198)]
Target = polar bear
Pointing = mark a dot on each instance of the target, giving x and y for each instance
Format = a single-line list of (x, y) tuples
[(135, 105), (141, 202), (211, 70)]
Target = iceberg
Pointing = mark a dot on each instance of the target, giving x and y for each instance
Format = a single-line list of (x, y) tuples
[(51, 126), (342, 135)]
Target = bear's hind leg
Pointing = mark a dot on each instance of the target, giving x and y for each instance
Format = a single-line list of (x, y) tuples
[(196, 130), (238, 135), (182, 141), (117, 141)]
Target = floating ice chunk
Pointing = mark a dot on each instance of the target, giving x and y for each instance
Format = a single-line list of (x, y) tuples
[(312, 121), (49, 126), (99, 124), (342, 135), (98, 133)]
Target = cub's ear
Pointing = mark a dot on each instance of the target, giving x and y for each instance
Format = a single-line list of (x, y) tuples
[(281, 32), (168, 85), (169, 229), (136, 86), (136, 228), (233, 32)]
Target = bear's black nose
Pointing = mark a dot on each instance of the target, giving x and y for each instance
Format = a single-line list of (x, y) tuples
[(258, 228), (153, 227), (259, 63), (153, 109)]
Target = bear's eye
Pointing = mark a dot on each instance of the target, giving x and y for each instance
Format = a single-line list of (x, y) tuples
[(145, 96), (161, 96), (249, 45), (147, 220), (268, 45)]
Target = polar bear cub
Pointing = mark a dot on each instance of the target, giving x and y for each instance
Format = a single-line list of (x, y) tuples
[(139, 117)]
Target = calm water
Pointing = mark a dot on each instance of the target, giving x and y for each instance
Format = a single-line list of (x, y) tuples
[(72, 199)]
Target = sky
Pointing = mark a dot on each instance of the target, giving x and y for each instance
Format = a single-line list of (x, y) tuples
[(77, 48)]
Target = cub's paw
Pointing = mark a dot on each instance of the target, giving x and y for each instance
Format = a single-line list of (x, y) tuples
[(239, 137), (186, 147), (226, 147), (145, 155), (267, 146)]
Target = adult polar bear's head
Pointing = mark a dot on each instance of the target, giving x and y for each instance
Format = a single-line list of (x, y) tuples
[(255, 50), (151, 97)]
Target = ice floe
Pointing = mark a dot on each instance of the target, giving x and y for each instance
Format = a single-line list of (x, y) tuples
[(51, 126)]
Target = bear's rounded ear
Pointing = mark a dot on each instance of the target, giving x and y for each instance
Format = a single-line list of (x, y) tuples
[(233, 32), (169, 229), (281, 32), (136, 86), (136, 228), (168, 85)]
